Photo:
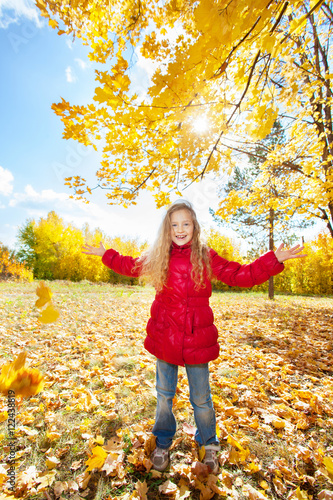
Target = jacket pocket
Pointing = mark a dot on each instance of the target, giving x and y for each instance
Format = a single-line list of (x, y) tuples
[(158, 315)]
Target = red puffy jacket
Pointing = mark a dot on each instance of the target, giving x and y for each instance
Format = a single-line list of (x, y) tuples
[(181, 328)]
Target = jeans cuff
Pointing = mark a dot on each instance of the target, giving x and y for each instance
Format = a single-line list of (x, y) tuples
[(212, 446), (163, 447)]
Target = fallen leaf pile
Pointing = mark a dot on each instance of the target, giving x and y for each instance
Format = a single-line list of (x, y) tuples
[(88, 433)]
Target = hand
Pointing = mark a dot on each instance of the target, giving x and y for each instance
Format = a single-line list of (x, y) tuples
[(90, 250), (292, 253)]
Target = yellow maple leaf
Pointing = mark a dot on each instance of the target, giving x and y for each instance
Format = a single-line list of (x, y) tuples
[(53, 23), (279, 423), (328, 462), (22, 380), (301, 494), (142, 489), (52, 462), (97, 459), (49, 315), (3, 416), (168, 488), (202, 453), (44, 293), (99, 440), (231, 440)]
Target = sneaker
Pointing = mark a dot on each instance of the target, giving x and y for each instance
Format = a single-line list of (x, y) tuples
[(160, 459), (210, 457)]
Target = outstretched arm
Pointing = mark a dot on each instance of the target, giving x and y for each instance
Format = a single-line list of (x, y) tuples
[(291, 253), (121, 264), (90, 250)]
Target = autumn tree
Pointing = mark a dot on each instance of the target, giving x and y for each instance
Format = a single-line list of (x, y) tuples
[(235, 66), (227, 248), (10, 266), (246, 192), (54, 251)]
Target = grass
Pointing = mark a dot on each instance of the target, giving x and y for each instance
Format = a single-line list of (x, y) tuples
[(271, 385)]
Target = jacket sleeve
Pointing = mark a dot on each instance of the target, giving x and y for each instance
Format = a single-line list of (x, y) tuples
[(246, 275), (121, 264)]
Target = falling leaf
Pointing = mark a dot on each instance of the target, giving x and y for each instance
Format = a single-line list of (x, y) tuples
[(49, 315), (17, 377), (44, 293)]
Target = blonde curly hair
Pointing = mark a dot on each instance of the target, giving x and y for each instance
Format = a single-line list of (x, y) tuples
[(155, 262)]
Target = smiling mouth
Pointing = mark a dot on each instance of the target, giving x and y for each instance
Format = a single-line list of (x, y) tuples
[(181, 237)]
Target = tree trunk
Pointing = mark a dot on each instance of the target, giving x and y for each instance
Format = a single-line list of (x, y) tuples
[(271, 247)]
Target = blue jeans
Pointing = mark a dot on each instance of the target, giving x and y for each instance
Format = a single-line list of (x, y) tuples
[(200, 397)]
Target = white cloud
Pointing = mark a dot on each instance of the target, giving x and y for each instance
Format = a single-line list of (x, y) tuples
[(70, 75), (6, 179), (30, 196), (135, 222), (82, 64), (138, 221), (12, 11)]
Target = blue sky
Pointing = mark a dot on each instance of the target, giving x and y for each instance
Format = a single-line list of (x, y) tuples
[(38, 67)]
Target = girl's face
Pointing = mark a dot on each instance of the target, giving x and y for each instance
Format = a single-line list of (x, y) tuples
[(181, 227)]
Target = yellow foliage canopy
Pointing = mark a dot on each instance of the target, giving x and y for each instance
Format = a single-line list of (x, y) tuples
[(237, 65)]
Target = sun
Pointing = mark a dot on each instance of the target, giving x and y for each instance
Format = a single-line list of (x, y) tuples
[(200, 124)]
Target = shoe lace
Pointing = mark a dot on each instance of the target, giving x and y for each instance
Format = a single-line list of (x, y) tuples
[(160, 453), (210, 456)]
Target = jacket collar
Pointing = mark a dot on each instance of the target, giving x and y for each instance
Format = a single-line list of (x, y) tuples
[(181, 247)]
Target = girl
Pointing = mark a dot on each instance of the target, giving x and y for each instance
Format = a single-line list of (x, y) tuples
[(180, 331)]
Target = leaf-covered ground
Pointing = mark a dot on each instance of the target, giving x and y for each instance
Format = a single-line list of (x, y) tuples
[(87, 435)]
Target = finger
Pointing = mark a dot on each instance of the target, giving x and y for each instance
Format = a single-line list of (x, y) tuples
[(298, 249)]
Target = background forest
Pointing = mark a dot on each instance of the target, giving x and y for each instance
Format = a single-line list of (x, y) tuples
[(50, 249)]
